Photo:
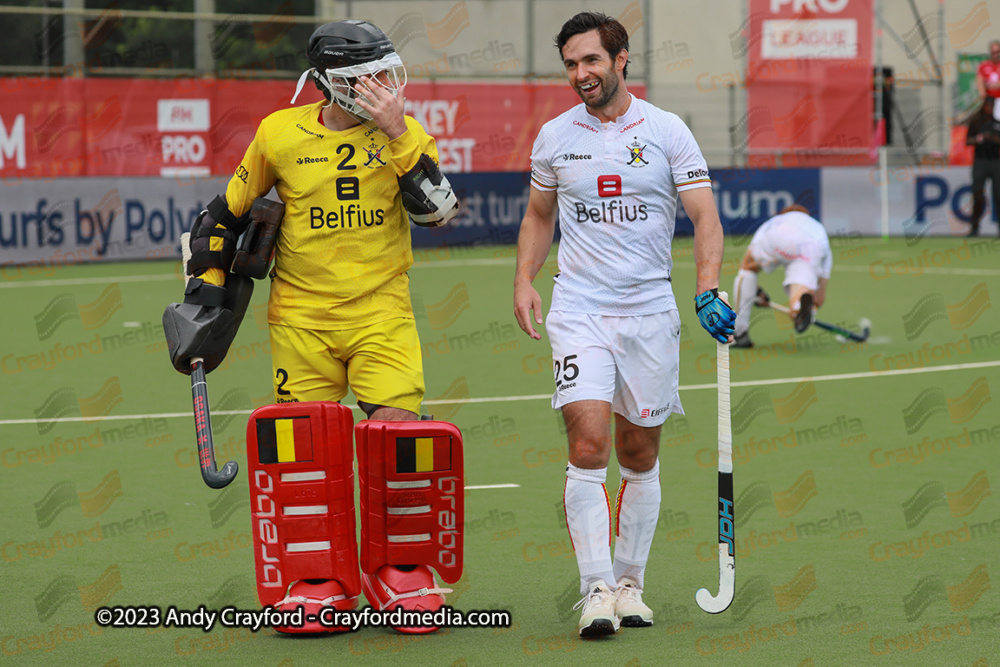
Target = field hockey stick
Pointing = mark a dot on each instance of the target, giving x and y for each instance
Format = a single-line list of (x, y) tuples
[(865, 324), (215, 478), (727, 521), (203, 429)]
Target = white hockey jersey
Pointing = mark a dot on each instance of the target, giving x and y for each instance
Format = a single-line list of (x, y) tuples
[(617, 187)]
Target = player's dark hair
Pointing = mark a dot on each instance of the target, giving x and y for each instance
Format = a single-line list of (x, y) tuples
[(614, 37)]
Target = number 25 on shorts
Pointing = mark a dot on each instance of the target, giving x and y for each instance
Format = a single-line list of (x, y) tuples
[(570, 371)]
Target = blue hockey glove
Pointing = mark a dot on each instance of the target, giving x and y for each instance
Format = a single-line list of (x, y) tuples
[(716, 316)]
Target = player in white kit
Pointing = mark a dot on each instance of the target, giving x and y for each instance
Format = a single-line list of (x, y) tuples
[(613, 168), (798, 243)]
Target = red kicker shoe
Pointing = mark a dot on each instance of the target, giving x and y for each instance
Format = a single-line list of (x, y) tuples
[(313, 597), (416, 590)]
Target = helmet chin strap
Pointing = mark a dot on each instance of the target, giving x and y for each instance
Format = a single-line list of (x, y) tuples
[(301, 83)]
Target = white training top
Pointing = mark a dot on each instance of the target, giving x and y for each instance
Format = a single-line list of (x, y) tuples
[(617, 188), (789, 237)]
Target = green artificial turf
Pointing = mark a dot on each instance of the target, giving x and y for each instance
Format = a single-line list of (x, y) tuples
[(866, 528)]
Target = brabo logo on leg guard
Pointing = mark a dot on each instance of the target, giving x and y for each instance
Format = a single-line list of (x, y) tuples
[(264, 511), (448, 536)]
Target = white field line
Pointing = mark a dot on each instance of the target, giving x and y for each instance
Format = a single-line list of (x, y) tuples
[(538, 397), (852, 268), (443, 264)]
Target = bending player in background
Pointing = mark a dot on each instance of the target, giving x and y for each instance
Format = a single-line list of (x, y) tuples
[(351, 171), (798, 243), (613, 168)]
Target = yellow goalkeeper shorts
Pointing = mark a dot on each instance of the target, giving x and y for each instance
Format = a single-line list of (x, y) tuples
[(381, 363)]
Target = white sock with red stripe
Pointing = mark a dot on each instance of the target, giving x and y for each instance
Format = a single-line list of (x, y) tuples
[(588, 516), (637, 511), (744, 293)]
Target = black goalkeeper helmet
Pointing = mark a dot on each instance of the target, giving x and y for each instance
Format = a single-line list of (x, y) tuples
[(346, 43), (342, 51)]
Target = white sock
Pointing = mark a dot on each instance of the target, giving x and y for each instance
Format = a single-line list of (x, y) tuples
[(588, 516), (637, 513), (744, 293)]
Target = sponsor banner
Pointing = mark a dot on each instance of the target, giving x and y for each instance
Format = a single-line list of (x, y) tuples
[(746, 198), (70, 221), (819, 39), (74, 220), (53, 128), (922, 201), (94, 219), (809, 74), (59, 127)]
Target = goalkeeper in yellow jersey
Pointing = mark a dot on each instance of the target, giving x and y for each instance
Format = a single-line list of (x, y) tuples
[(351, 172)]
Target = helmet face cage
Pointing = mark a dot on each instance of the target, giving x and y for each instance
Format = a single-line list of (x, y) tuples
[(387, 72)]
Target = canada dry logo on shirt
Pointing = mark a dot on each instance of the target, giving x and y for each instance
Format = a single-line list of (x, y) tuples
[(635, 151), (311, 160)]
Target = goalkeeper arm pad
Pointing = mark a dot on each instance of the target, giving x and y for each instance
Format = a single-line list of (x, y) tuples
[(215, 222), (205, 324), (427, 194)]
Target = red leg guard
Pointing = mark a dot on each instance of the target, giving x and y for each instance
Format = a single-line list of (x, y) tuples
[(412, 512), (300, 460)]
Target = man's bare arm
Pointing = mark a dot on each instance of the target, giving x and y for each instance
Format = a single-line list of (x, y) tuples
[(533, 244), (715, 315), (708, 238)]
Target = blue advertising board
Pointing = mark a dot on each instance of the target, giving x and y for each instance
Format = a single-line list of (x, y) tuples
[(493, 204)]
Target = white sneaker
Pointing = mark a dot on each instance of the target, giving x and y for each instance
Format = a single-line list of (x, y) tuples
[(598, 617), (630, 607)]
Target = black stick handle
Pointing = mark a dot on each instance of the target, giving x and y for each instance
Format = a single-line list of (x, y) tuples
[(216, 479)]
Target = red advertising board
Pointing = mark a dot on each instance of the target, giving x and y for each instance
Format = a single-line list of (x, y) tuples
[(59, 127), (809, 81)]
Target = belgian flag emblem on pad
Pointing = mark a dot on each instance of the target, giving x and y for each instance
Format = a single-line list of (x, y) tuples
[(423, 454), (284, 440)]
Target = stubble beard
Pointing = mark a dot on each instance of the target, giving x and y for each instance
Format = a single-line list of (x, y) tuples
[(609, 89)]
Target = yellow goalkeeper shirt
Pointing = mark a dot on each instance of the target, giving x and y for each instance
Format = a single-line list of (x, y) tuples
[(343, 246)]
